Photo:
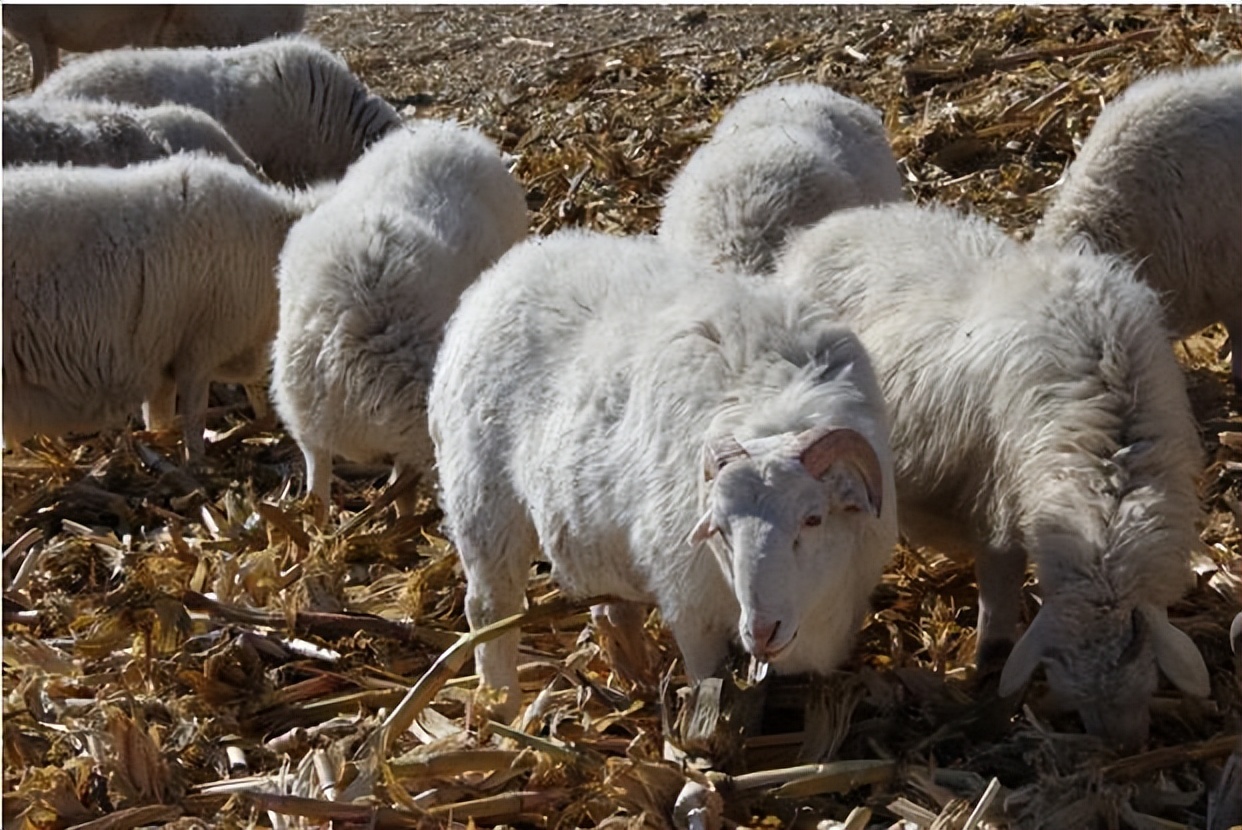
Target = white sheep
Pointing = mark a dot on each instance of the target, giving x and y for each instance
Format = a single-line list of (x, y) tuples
[(1159, 179), (1036, 410), (135, 286), (293, 106), (780, 159), (612, 405), (47, 29), (85, 132), (367, 281)]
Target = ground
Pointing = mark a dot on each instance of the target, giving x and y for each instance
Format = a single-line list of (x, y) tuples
[(193, 649)]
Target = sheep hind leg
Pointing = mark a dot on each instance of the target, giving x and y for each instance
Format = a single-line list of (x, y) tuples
[(1234, 328), (319, 478), (497, 566), (44, 58), (159, 412), (1000, 574), (627, 646), (192, 391)]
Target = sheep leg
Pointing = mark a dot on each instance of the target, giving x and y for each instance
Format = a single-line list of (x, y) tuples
[(404, 486), (159, 411), (496, 573), (1234, 328), (319, 477), (192, 393), (44, 58), (703, 650), (621, 624), (1000, 574)]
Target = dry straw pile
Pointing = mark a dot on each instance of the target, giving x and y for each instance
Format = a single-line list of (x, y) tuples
[(193, 650)]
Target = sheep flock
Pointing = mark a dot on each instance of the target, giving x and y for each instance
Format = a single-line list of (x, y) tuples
[(680, 417)]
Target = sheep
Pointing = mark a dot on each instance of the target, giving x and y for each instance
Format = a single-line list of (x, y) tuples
[(1036, 410), (663, 434), (780, 159), (1159, 179), (84, 132), (367, 281), (293, 106), (135, 286), (48, 29)]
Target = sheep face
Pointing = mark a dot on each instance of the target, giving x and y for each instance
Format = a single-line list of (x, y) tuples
[(1101, 659), (1107, 672), (784, 513)]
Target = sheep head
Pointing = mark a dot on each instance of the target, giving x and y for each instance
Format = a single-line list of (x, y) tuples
[(1101, 659), (784, 513)]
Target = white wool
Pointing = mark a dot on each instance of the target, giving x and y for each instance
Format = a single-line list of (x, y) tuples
[(1159, 181), (582, 386), (367, 281), (293, 106), (135, 286), (1036, 409), (780, 159)]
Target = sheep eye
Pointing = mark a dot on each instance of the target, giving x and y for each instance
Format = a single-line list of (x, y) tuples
[(813, 521)]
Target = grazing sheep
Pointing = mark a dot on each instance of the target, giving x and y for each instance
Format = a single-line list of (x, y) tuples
[(293, 106), (598, 399), (1036, 410), (1159, 179), (91, 28), (780, 159), (94, 133), (135, 286), (367, 281)]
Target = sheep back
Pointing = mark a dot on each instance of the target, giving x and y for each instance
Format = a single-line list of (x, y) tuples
[(578, 386), (1036, 409), (780, 159), (293, 106), (1159, 180), (92, 133), (118, 283), (368, 279)]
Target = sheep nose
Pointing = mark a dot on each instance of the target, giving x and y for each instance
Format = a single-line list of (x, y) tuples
[(762, 634)]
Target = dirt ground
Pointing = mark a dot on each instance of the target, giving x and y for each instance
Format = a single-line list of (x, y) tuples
[(193, 650)]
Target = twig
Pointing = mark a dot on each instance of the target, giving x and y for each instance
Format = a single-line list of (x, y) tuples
[(921, 77), (595, 50), (328, 625), (1136, 766), (377, 818), (133, 817)]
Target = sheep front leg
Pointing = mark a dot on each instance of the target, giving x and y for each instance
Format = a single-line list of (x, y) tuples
[(703, 649), (621, 627), (1000, 574)]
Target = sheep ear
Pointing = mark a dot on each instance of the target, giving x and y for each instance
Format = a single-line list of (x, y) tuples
[(822, 447), (1176, 654), (718, 452), (1026, 656), (702, 531), (1235, 633)]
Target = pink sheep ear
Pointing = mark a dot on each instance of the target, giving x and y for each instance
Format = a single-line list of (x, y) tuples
[(718, 452), (822, 447)]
